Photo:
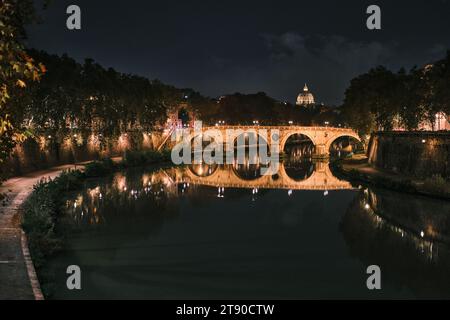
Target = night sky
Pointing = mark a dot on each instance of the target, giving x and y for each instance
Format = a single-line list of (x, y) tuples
[(222, 47)]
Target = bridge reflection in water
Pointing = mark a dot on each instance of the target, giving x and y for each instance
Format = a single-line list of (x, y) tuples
[(196, 223), (313, 176)]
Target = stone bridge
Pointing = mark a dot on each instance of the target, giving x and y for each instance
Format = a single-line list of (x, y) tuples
[(321, 137)]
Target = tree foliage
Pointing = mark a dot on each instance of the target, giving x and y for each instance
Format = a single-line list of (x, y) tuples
[(17, 68), (86, 97), (240, 109), (381, 98)]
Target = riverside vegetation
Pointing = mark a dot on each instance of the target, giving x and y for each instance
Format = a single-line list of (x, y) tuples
[(43, 210)]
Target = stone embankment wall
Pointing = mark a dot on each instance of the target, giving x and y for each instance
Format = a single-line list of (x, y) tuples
[(44, 152), (419, 154)]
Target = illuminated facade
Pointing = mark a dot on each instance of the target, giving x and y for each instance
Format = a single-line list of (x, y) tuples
[(305, 98)]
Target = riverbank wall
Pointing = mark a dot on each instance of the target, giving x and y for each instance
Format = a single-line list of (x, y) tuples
[(39, 153), (417, 154)]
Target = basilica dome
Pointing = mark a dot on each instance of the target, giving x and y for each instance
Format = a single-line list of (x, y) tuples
[(305, 98)]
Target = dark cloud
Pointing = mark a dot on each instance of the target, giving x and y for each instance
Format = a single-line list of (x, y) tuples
[(285, 45)]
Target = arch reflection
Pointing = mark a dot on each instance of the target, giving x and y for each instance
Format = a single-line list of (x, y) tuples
[(203, 170), (298, 163)]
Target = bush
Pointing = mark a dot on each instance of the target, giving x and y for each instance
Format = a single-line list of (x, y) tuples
[(40, 212), (152, 156), (99, 168), (133, 158), (437, 184), (142, 158), (70, 180)]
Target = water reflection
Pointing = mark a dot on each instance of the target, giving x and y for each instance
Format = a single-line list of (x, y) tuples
[(178, 232), (128, 189), (407, 236), (298, 164)]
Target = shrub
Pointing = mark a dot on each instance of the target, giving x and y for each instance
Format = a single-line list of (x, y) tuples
[(70, 180), (152, 156), (40, 212), (437, 184), (99, 168), (133, 158), (141, 158)]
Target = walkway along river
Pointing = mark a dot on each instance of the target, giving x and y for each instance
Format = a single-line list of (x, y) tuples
[(16, 273)]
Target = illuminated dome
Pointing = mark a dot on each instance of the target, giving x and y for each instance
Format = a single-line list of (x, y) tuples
[(305, 98)]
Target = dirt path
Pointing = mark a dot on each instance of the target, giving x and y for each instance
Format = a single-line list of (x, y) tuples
[(15, 282)]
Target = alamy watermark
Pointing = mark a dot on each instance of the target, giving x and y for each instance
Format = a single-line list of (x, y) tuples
[(74, 280), (73, 21), (374, 280), (374, 20)]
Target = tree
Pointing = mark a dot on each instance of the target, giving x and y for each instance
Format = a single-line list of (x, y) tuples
[(17, 68), (410, 96), (437, 77), (380, 99)]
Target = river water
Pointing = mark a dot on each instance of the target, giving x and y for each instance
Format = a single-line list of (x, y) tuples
[(211, 232)]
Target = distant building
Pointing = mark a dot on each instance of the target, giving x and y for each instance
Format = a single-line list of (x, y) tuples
[(305, 98)]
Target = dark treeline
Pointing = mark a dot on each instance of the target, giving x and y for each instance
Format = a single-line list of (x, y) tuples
[(75, 96), (247, 108), (381, 99), (87, 97)]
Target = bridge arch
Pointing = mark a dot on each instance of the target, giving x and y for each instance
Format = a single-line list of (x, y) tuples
[(341, 135), (321, 137), (249, 135), (289, 134)]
